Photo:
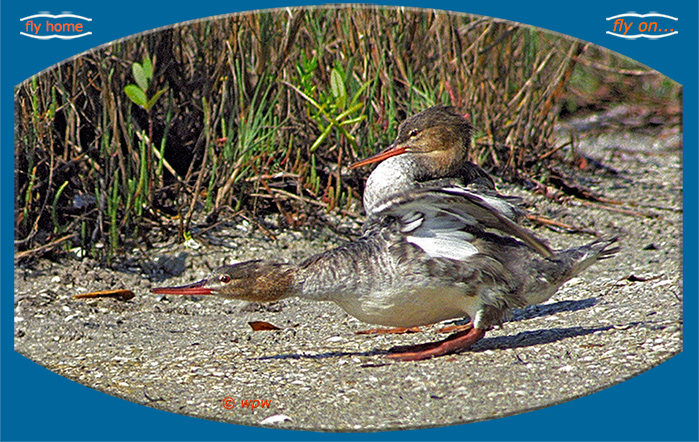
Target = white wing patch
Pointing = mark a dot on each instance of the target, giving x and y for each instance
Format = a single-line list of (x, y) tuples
[(439, 233), (439, 220), (445, 246)]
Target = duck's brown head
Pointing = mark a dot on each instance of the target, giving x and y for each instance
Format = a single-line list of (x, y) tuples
[(258, 281), (438, 137)]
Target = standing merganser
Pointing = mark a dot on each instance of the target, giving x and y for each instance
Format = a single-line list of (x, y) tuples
[(429, 252)]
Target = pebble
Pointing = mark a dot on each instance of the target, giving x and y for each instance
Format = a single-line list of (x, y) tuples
[(277, 418), (566, 368)]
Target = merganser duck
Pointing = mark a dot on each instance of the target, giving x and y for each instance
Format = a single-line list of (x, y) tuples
[(431, 148), (429, 252)]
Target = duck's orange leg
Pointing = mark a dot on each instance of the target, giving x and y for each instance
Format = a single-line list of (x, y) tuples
[(393, 331), (453, 344)]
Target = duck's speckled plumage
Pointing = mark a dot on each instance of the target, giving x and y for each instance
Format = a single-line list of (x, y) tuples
[(439, 244)]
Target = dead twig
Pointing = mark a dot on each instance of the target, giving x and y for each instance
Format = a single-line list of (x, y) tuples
[(45, 247), (553, 151), (553, 223), (307, 201), (619, 209), (252, 220), (262, 181)]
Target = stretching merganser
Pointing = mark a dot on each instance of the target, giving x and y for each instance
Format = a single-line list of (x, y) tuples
[(429, 252)]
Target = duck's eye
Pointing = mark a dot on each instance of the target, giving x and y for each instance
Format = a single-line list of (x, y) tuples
[(412, 133), (225, 279)]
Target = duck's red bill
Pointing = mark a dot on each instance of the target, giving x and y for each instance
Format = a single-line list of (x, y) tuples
[(389, 152), (192, 289)]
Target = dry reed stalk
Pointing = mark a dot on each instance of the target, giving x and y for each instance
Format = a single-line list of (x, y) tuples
[(75, 124)]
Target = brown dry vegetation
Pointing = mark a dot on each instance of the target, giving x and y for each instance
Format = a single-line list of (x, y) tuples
[(263, 112)]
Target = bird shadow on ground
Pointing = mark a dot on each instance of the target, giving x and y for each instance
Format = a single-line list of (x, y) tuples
[(538, 311), (534, 337), (524, 339)]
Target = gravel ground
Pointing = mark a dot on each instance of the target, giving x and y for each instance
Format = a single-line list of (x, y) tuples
[(186, 354)]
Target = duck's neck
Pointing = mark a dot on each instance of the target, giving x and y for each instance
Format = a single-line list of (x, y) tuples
[(352, 270), (393, 175), (346, 271)]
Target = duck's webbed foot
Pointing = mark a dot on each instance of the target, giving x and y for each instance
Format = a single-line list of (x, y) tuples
[(453, 344)]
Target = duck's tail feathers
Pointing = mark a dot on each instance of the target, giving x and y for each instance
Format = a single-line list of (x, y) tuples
[(565, 265), (602, 245), (580, 258)]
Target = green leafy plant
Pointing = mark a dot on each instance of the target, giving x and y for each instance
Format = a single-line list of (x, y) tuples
[(138, 93), (331, 108), (139, 190)]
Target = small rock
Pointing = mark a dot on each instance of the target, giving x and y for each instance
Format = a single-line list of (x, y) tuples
[(277, 418), (566, 368)]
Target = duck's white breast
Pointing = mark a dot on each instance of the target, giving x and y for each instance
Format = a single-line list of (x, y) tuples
[(411, 306)]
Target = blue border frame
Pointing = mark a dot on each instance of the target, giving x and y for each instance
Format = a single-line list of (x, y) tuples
[(660, 404)]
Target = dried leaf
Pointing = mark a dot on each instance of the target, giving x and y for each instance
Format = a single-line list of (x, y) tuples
[(262, 326), (123, 295)]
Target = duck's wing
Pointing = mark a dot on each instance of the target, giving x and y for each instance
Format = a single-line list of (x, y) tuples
[(444, 221), (473, 178)]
